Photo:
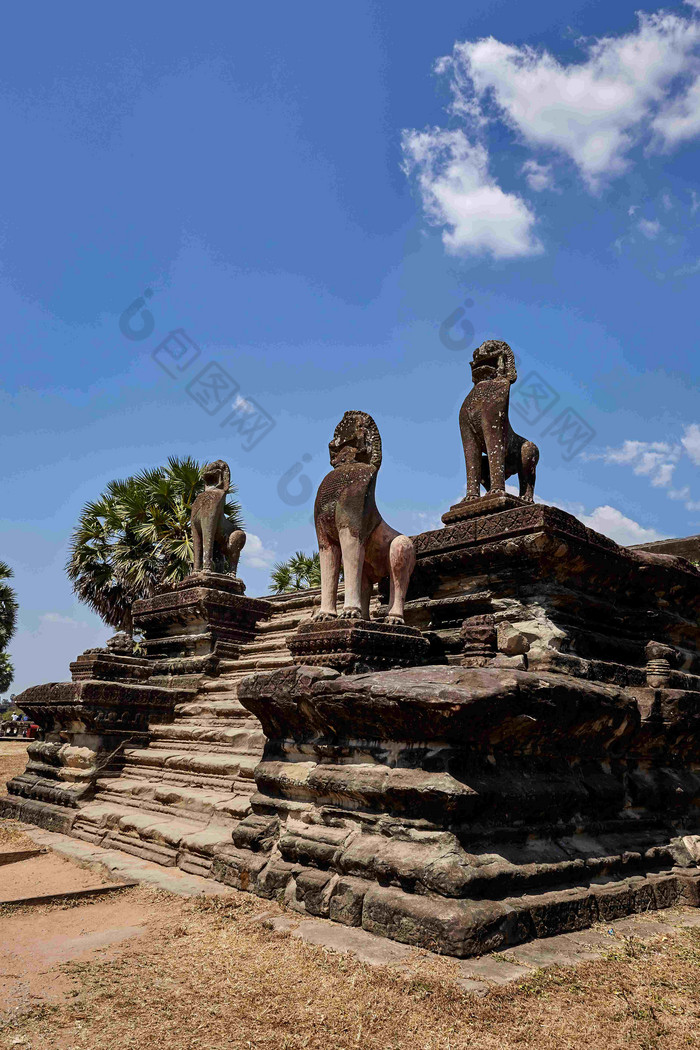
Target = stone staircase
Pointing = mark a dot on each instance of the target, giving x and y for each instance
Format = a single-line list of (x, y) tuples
[(178, 800), (269, 649)]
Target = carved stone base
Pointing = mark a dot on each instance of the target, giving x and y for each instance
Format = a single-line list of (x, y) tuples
[(86, 725), (479, 637), (354, 646), (205, 618), (466, 810), (557, 590), (474, 508)]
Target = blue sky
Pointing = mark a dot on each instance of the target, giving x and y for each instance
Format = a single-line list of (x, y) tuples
[(309, 193)]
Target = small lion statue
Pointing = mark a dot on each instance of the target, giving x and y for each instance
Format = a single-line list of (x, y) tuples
[(349, 526), (217, 544), (492, 449)]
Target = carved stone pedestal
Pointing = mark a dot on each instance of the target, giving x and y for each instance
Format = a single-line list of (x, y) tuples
[(204, 619), (86, 726), (354, 646), (468, 809), (474, 508), (562, 596), (478, 635)]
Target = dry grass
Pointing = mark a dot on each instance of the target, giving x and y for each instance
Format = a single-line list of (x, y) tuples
[(211, 975), (13, 759)]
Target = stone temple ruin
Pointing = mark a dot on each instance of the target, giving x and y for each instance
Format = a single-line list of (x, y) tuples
[(501, 743)]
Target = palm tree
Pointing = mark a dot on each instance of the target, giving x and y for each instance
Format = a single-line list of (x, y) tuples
[(136, 538), (298, 573), (8, 624), (8, 606)]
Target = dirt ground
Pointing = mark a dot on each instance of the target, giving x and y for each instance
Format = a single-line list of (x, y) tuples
[(144, 968), (13, 759)]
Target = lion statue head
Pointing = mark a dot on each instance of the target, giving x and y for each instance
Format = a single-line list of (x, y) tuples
[(217, 475), (356, 440), (493, 358)]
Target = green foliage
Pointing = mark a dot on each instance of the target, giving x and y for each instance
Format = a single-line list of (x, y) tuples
[(298, 573), (136, 538), (8, 624), (8, 606), (7, 672)]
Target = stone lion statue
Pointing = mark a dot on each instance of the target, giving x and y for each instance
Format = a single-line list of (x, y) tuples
[(217, 544), (492, 449), (349, 526)]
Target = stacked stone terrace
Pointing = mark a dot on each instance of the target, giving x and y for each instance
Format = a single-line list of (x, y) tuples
[(177, 800)]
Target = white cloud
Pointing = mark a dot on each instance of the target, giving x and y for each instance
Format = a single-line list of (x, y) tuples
[(255, 554), (687, 271), (651, 228), (460, 194), (637, 90), (680, 120), (679, 494), (593, 111), (241, 405), (694, 202), (538, 176), (656, 460), (691, 442), (54, 617), (613, 523), (632, 209), (427, 522)]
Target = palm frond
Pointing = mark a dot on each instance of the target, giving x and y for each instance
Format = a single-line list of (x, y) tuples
[(136, 537)]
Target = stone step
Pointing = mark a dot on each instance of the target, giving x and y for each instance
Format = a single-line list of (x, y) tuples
[(185, 843), (214, 686), (261, 663), (223, 766), (284, 617), (239, 738), (202, 781), (211, 709), (191, 803), (266, 645)]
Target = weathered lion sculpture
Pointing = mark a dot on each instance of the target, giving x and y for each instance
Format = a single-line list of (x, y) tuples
[(217, 544), (492, 449), (349, 526)]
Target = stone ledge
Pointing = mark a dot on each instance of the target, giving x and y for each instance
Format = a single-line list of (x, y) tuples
[(354, 646)]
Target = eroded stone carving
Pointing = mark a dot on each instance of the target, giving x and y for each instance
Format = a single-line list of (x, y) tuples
[(349, 527), (478, 635), (217, 544), (493, 451), (660, 661)]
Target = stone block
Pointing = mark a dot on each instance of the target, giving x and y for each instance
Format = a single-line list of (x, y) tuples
[(347, 899), (313, 887), (689, 888), (666, 890), (562, 911), (274, 877), (238, 868), (256, 833), (459, 928), (354, 646), (613, 901)]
